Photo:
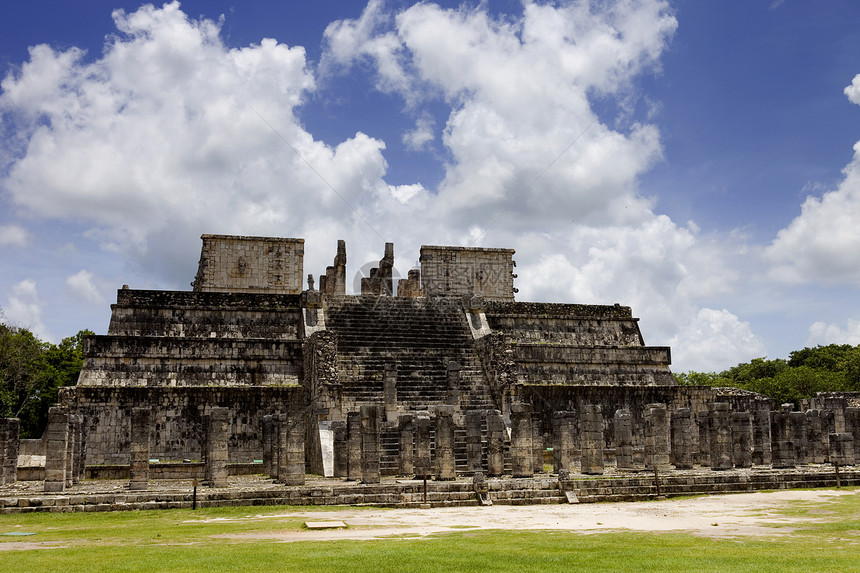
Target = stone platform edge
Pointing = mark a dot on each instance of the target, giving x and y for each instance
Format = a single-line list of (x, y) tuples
[(114, 495)]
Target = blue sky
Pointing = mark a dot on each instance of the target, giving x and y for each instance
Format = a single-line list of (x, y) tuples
[(693, 159)]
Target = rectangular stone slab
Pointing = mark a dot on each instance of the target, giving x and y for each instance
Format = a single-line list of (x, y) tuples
[(324, 524)]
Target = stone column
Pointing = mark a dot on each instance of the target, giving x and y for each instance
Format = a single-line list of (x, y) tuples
[(282, 437), (562, 440), (495, 443), (852, 426), (353, 433), (70, 452), (80, 448), (797, 425), (761, 436), (56, 448), (591, 439), (341, 455), (406, 430), (11, 443), (816, 435), (782, 449), (140, 427), (682, 439), (216, 447), (703, 425), (294, 449), (538, 446), (279, 454), (842, 449), (267, 432), (82, 466), (370, 443), (522, 462), (453, 380), (445, 466), (656, 437), (389, 389), (474, 450), (742, 439), (720, 430), (832, 422), (623, 422), (423, 425), (291, 448)]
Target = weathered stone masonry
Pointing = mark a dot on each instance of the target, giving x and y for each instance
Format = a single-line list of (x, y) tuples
[(277, 364)]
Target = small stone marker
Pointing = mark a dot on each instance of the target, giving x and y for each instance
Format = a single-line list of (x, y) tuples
[(325, 524)]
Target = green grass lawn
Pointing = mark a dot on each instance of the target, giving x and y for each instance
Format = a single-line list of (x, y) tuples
[(182, 540)]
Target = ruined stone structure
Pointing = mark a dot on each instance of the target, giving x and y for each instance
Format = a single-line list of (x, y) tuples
[(451, 376)]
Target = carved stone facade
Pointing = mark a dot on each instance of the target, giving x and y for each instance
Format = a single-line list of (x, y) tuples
[(230, 263), (487, 273), (499, 380)]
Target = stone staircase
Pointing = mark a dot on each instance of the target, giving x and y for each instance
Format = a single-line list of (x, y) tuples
[(111, 495), (421, 336)]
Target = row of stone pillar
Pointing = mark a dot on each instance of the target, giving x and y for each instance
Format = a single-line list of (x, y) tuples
[(214, 440), (736, 439), (357, 444), (64, 449), (805, 437), (284, 447), (727, 439)]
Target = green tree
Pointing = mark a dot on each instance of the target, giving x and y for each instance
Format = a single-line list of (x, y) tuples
[(833, 357), (756, 369), (700, 379), (831, 368), (31, 373)]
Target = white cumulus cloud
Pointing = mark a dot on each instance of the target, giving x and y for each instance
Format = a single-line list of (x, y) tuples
[(25, 309), (715, 340), (853, 91), (821, 333), (13, 236), (170, 133), (822, 244), (81, 285), (418, 138)]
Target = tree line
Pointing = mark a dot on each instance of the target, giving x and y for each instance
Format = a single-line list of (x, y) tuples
[(831, 368), (32, 371)]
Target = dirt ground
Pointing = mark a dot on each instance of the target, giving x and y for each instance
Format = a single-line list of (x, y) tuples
[(711, 516)]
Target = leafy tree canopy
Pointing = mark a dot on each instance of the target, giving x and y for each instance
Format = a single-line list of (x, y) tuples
[(32, 371), (831, 368)]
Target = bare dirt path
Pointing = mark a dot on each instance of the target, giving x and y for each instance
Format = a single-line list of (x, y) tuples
[(712, 516)]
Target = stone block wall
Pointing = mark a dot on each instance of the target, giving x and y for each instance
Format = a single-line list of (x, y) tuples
[(599, 366), (177, 419), (571, 344), (157, 361), (230, 263), (448, 271), (205, 315), (573, 324)]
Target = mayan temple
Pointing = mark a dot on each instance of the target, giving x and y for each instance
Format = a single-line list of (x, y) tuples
[(250, 339), (265, 374)]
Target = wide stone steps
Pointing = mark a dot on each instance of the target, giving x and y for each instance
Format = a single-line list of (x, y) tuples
[(419, 337), (111, 495)]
